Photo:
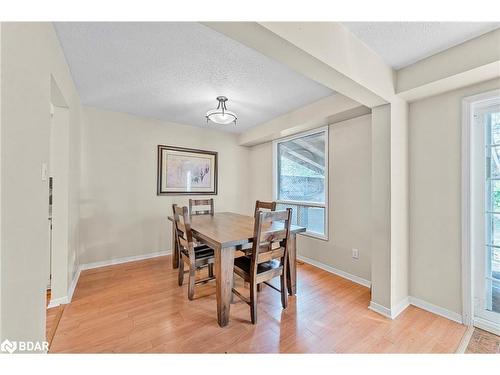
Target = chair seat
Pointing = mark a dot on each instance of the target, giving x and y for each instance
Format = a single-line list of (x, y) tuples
[(244, 264), (201, 251)]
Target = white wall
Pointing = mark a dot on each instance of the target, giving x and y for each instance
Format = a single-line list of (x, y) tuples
[(121, 215), (30, 55), (260, 169), (435, 196), (349, 196)]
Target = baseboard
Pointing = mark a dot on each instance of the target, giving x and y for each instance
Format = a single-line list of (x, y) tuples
[(345, 275), (382, 310), (487, 325), (400, 307), (391, 313), (424, 305), (72, 287), (66, 299), (54, 302), (115, 261)]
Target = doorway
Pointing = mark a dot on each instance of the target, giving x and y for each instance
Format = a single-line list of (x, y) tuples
[(58, 201), (482, 186)]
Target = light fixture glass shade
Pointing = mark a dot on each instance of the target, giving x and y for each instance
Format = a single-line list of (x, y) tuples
[(221, 115)]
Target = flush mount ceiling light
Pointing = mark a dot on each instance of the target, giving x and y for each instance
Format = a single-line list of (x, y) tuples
[(221, 115)]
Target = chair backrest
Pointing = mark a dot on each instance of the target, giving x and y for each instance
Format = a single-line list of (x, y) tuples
[(207, 203), (271, 228), (182, 223), (259, 205)]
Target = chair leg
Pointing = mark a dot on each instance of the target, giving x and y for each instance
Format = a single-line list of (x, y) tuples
[(211, 270), (259, 287), (181, 271), (232, 287), (253, 302), (192, 276), (284, 291)]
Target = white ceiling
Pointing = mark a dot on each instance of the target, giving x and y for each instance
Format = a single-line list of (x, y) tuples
[(174, 71), (403, 43)]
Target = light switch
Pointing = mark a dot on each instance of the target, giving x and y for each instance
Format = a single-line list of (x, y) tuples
[(355, 253), (45, 171)]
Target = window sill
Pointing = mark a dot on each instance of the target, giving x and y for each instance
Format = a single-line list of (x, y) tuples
[(314, 235)]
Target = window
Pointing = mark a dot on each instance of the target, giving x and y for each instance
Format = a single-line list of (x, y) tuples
[(301, 179)]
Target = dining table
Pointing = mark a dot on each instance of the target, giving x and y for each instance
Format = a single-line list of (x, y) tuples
[(226, 233)]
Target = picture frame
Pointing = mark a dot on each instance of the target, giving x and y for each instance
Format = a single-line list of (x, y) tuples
[(186, 171)]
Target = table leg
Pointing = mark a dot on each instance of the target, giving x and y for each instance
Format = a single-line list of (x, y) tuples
[(224, 264), (175, 250), (291, 275)]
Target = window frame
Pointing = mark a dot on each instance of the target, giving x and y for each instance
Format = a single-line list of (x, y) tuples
[(325, 205)]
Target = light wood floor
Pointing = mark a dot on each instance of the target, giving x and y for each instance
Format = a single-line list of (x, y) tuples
[(53, 317), (138, 307)]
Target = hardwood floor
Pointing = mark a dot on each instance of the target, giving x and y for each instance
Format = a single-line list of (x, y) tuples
[(52, 319), (138, 307)]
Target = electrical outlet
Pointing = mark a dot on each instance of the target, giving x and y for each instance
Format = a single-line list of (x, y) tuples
[(355, 253)]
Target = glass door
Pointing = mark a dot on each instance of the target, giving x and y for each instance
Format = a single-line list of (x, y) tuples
[(487, 258)]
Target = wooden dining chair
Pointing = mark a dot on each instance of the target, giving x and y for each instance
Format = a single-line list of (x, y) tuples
[(208, 204), (260, 205), (196, 256), (267, 261)]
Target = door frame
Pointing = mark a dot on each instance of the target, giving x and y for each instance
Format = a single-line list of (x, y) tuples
[(59, 143), (467, 255)]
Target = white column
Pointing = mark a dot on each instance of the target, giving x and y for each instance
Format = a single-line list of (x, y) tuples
[(390, 230)]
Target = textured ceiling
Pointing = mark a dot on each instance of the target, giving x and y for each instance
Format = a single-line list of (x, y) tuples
[(174, 71), (403, 43)]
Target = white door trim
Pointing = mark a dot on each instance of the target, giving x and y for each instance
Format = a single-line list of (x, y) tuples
[(467, 270), (467, 308)]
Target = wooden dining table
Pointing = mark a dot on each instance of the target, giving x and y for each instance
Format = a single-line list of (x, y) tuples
[(227, 232)]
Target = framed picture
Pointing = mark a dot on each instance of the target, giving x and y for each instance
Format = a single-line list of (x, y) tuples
[(185, 171)]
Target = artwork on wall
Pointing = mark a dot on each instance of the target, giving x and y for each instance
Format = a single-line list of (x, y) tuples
[(186, 171)]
